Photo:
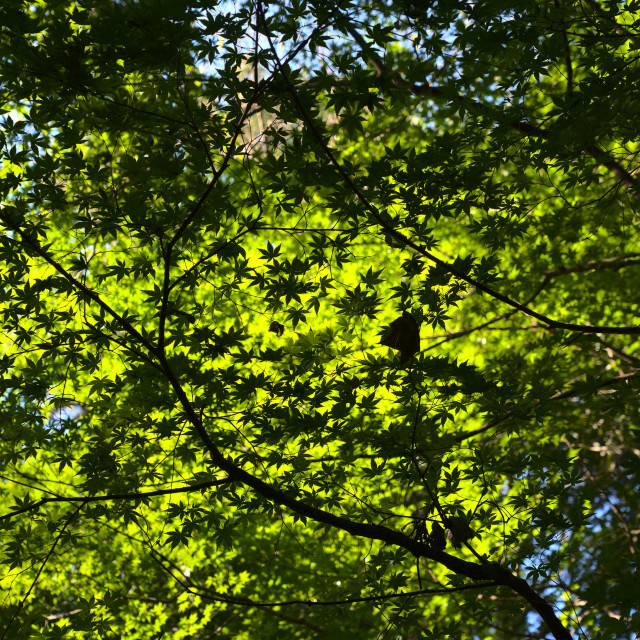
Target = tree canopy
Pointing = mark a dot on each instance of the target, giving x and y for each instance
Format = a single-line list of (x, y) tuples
[(319, 320)]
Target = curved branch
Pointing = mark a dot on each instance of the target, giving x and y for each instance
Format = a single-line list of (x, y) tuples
[(115, 496), (35, 246), (615, 263), (427, 90), (421, 250)]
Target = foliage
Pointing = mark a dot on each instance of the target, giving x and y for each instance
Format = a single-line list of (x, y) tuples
[(217, 220)]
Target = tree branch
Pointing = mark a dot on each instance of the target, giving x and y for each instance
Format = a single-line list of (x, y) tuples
[(449, 268), (35, 246), (40, 570), (429, 91), (115, 496), (556, 396)]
